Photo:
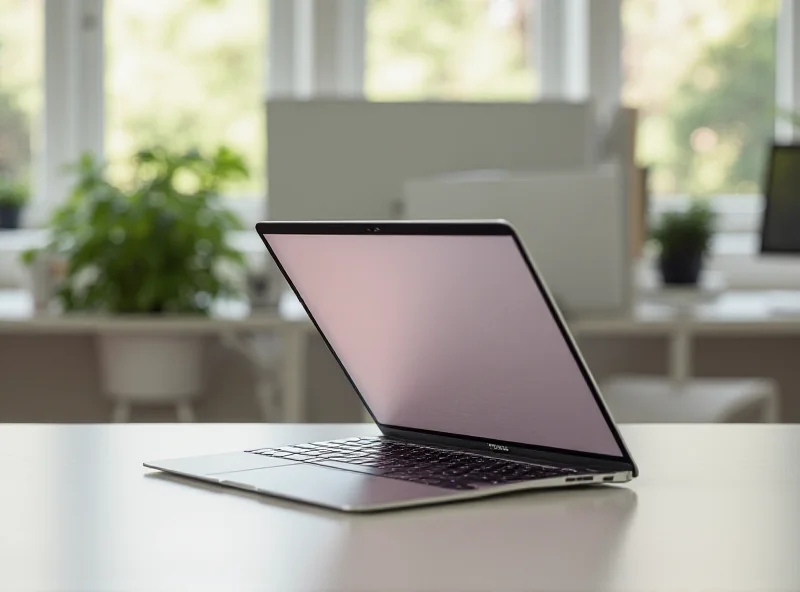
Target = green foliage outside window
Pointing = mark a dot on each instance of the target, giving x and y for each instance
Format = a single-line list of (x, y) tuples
[(706, 91)]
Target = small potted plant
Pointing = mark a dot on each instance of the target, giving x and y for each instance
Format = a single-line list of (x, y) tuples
[(157, 247), (684, 238), (13, 197)]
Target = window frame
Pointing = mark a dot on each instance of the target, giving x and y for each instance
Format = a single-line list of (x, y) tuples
[(739, 216), (578, 46), (74, 102)]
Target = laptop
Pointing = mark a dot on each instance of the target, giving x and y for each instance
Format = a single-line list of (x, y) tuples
[(456, 348)]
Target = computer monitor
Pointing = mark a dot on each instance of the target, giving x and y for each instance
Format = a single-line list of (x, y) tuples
[(780, 231)]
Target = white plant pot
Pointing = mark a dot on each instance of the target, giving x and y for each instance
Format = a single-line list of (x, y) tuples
[(44, 277), (151, 369)]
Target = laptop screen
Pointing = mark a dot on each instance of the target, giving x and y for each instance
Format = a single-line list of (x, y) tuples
[(447, 333)]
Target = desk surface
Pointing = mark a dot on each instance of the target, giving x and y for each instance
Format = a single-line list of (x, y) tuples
[(716, 508)]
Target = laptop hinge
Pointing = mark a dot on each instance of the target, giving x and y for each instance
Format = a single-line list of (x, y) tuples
[(520, 454)]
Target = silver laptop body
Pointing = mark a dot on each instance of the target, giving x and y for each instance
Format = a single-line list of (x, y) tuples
[(456, 348)]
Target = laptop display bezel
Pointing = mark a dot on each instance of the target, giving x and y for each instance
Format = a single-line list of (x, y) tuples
[(459, 228)]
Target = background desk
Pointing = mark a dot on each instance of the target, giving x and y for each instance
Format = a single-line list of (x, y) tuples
[(51, 359), (716, 508)]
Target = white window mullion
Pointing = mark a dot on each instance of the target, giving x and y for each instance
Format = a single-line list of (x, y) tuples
[(604, 56), (550, 40), (337, 37), (580, 52), (317, 48), (74, 114), (57, 92), (304, 46), (576, 60), (281, 50), (352, 41), (563, 39), (90, 54), (787, 79), (325, 47)]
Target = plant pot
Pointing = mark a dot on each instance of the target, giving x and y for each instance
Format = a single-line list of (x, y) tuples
[(45, 274), (9, 216), (151, 369), (681, 269)]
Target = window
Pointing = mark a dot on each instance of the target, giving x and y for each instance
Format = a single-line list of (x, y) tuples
[(450, 50), (185, 73), (21, 66), (703, 77)]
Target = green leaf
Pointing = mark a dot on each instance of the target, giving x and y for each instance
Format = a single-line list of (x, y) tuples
[(151, 247), (686, 232), (13, 193)]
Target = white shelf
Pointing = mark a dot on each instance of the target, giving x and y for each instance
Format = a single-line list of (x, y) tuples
[(16, 241)]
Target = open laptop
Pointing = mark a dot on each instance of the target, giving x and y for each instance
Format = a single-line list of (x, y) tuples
[(455, 346)]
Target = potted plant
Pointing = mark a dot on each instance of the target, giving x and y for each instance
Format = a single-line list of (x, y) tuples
[(13, 197), (684, 238), (156, 247)]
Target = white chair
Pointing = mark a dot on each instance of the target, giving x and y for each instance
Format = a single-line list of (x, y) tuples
[(643, 399)]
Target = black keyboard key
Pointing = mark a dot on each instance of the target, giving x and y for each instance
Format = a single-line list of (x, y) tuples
[(290, 449), (410, 462)]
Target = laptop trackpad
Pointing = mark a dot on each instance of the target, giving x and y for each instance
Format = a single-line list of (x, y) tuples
[(216, 464), (330, 487)]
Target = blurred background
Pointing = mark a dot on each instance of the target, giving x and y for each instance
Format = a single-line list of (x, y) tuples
[(643, 148)]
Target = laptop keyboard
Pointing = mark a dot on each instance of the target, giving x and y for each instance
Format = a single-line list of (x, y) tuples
[(413, 462)]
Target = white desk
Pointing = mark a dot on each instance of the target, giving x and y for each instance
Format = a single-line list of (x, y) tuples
[(734, 313), (232, 322), (715, 509)]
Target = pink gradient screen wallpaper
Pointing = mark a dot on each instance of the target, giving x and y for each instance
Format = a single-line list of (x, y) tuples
[(446, 333)]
